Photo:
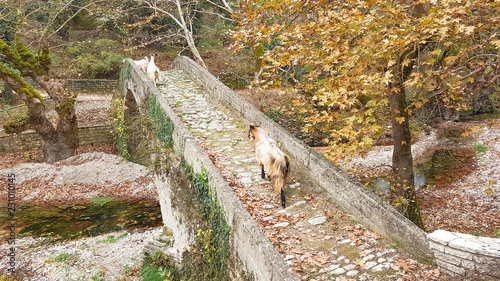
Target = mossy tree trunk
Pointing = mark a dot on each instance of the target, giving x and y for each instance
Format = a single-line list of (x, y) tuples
[(60, 141)]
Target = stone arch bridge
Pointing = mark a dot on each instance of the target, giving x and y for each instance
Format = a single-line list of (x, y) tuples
[(210, 125)]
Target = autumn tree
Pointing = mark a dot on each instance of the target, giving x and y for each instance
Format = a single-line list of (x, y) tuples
[(19, 62), (367, 65)]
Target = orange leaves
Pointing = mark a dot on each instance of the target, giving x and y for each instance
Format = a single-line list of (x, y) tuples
[(318, 261), (349, 58), (400, 120), (359, 234), (404, 264), (469, 133)]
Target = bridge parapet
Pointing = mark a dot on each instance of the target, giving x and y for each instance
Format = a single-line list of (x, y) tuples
[(249, 243)]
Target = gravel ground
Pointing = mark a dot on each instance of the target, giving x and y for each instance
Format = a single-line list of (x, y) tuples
[(80, 177), (82, 259)]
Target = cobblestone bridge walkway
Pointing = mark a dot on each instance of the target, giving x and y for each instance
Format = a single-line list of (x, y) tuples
[(317, 240)]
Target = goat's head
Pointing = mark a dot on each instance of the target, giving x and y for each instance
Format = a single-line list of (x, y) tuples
[(252, 131)]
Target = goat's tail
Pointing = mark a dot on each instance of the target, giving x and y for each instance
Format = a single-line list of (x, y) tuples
[(280, 178)]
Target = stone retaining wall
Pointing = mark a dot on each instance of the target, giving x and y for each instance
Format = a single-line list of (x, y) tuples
[(94, 135), (466, 255), (348, 193), (91, 86)]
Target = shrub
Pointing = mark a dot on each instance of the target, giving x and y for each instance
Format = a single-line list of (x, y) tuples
[(101, 201), (480, 147), (163, 126), (120, 129)]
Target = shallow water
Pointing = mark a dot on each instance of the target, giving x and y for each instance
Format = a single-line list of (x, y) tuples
[(68, 222), (438, 165)]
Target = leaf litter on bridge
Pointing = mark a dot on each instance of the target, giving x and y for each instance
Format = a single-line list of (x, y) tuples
[(317, 239)]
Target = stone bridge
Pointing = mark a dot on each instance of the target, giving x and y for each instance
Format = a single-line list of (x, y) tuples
[(210, 126)]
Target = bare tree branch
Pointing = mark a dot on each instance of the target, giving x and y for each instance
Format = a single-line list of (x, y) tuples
[(226, 7), (181, 22), (216, 14), (68, 20)]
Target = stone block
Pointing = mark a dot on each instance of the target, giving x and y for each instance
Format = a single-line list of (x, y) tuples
[(468, 245), (487, 265), (436, 246), (448, 258), (490, 246), (458, 253), (468, 265), (442, 236), (455, 270)]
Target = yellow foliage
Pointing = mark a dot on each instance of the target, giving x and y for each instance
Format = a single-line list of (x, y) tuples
[(346, 57)]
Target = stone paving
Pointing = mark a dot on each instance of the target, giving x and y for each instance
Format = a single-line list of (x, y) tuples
[(317, 240)]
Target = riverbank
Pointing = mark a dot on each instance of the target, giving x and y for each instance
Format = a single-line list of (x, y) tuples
[(89, 175)]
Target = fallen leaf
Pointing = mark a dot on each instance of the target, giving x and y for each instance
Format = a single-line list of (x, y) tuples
[(489, 191)]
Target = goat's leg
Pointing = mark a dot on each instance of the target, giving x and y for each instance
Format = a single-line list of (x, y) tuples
[(283, 199), (263, 174)]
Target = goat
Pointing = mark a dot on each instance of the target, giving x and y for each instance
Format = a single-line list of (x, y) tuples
[(271, 158), (142, 64), (152, 70)]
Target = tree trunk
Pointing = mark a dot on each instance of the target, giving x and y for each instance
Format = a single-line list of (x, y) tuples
[(403, 194), (189, 36), (57, 144), (57, 147)]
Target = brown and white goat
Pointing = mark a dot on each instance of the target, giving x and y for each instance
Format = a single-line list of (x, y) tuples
[(271, 158)]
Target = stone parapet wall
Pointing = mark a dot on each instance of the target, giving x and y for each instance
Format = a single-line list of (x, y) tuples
[(466, 255), (94, 135)]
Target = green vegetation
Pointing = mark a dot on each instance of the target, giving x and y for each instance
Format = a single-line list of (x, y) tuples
[(350, 252), (66, 257), (96, 58), (18, 122), (101, 201), (120, 130), (5, 277), (112, 239), (209, 257), (212, 241), (99, 276), (162, 125), (158, 267), (480, 147)]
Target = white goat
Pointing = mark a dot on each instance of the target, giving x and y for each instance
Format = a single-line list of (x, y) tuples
[(153, 70), (142, 64)]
